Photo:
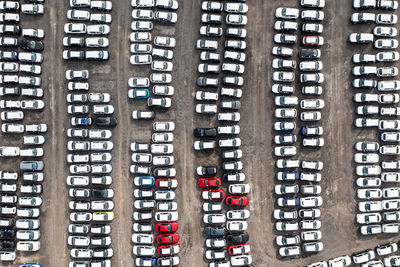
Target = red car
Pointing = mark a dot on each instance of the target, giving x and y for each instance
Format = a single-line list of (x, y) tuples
[(213, 194), (167, 239), (166, 183), (313, 40), (239, 249), (209, 182), (166, 227), (168, 250), (236, 201)]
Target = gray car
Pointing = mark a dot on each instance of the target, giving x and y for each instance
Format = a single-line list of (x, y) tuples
[(31, 165)]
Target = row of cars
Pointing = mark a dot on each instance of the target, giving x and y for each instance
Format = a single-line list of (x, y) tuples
[(144, 50), (298, 203), (89, 157), (91, 37), (155, 238), (19, 70), (376, 168), (226, 238), (143, 14), (153, 168), (381, 256)]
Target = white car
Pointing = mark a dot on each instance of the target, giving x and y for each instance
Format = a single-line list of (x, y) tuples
[(386, 19), (289, 251), (164, 41), (236, 19), (287, 13), (368, 170), (282, 51), (167, 4), (368, 218), (101, 5), (361, 38), (12, 115), (366, 158), (214, 218), (28, 246), (32, 9), (34, 33), (312, 15), (167, 126), (166, 216), (140, 37), (363, 4), (369, 193), (309, 202)]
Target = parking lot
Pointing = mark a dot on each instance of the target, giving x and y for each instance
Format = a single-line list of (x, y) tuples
[(339, 229)]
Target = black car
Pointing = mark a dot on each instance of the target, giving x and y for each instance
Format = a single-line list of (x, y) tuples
[(106, 121), (237, 238), (309, 53), (214, 231), (205, 132), (10, 29), (163, 172), (7, 234), (7, 245), (100, 193), (31, 45), (208, 170)]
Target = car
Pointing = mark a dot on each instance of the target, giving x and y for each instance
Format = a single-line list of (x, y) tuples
[(101, 5), (390, 136), (281, 38), (236, 19), (165, 41), (164, 102), (97, 55), (386, 44), (361, 38), (140, 37), (312, 40), (33, 33), (364, 70), (387, 4), (312, 104), (362, 17), (313, 15), (165, 16), (32, 9), (34, 69), (75, 14), (98, 29), (142, 14), (389, 85), (204, 145), (384, 31), (285, 25), (289, 251), (9, 6), (287, 13), (9, 18), (10, 29), (387, 72), (282, 51), (363, 4), (388, 98), (28, 246), (100, 18), (160, 78), (386, 19)]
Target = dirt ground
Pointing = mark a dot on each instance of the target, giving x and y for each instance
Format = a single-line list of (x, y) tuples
[(339, 230)]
